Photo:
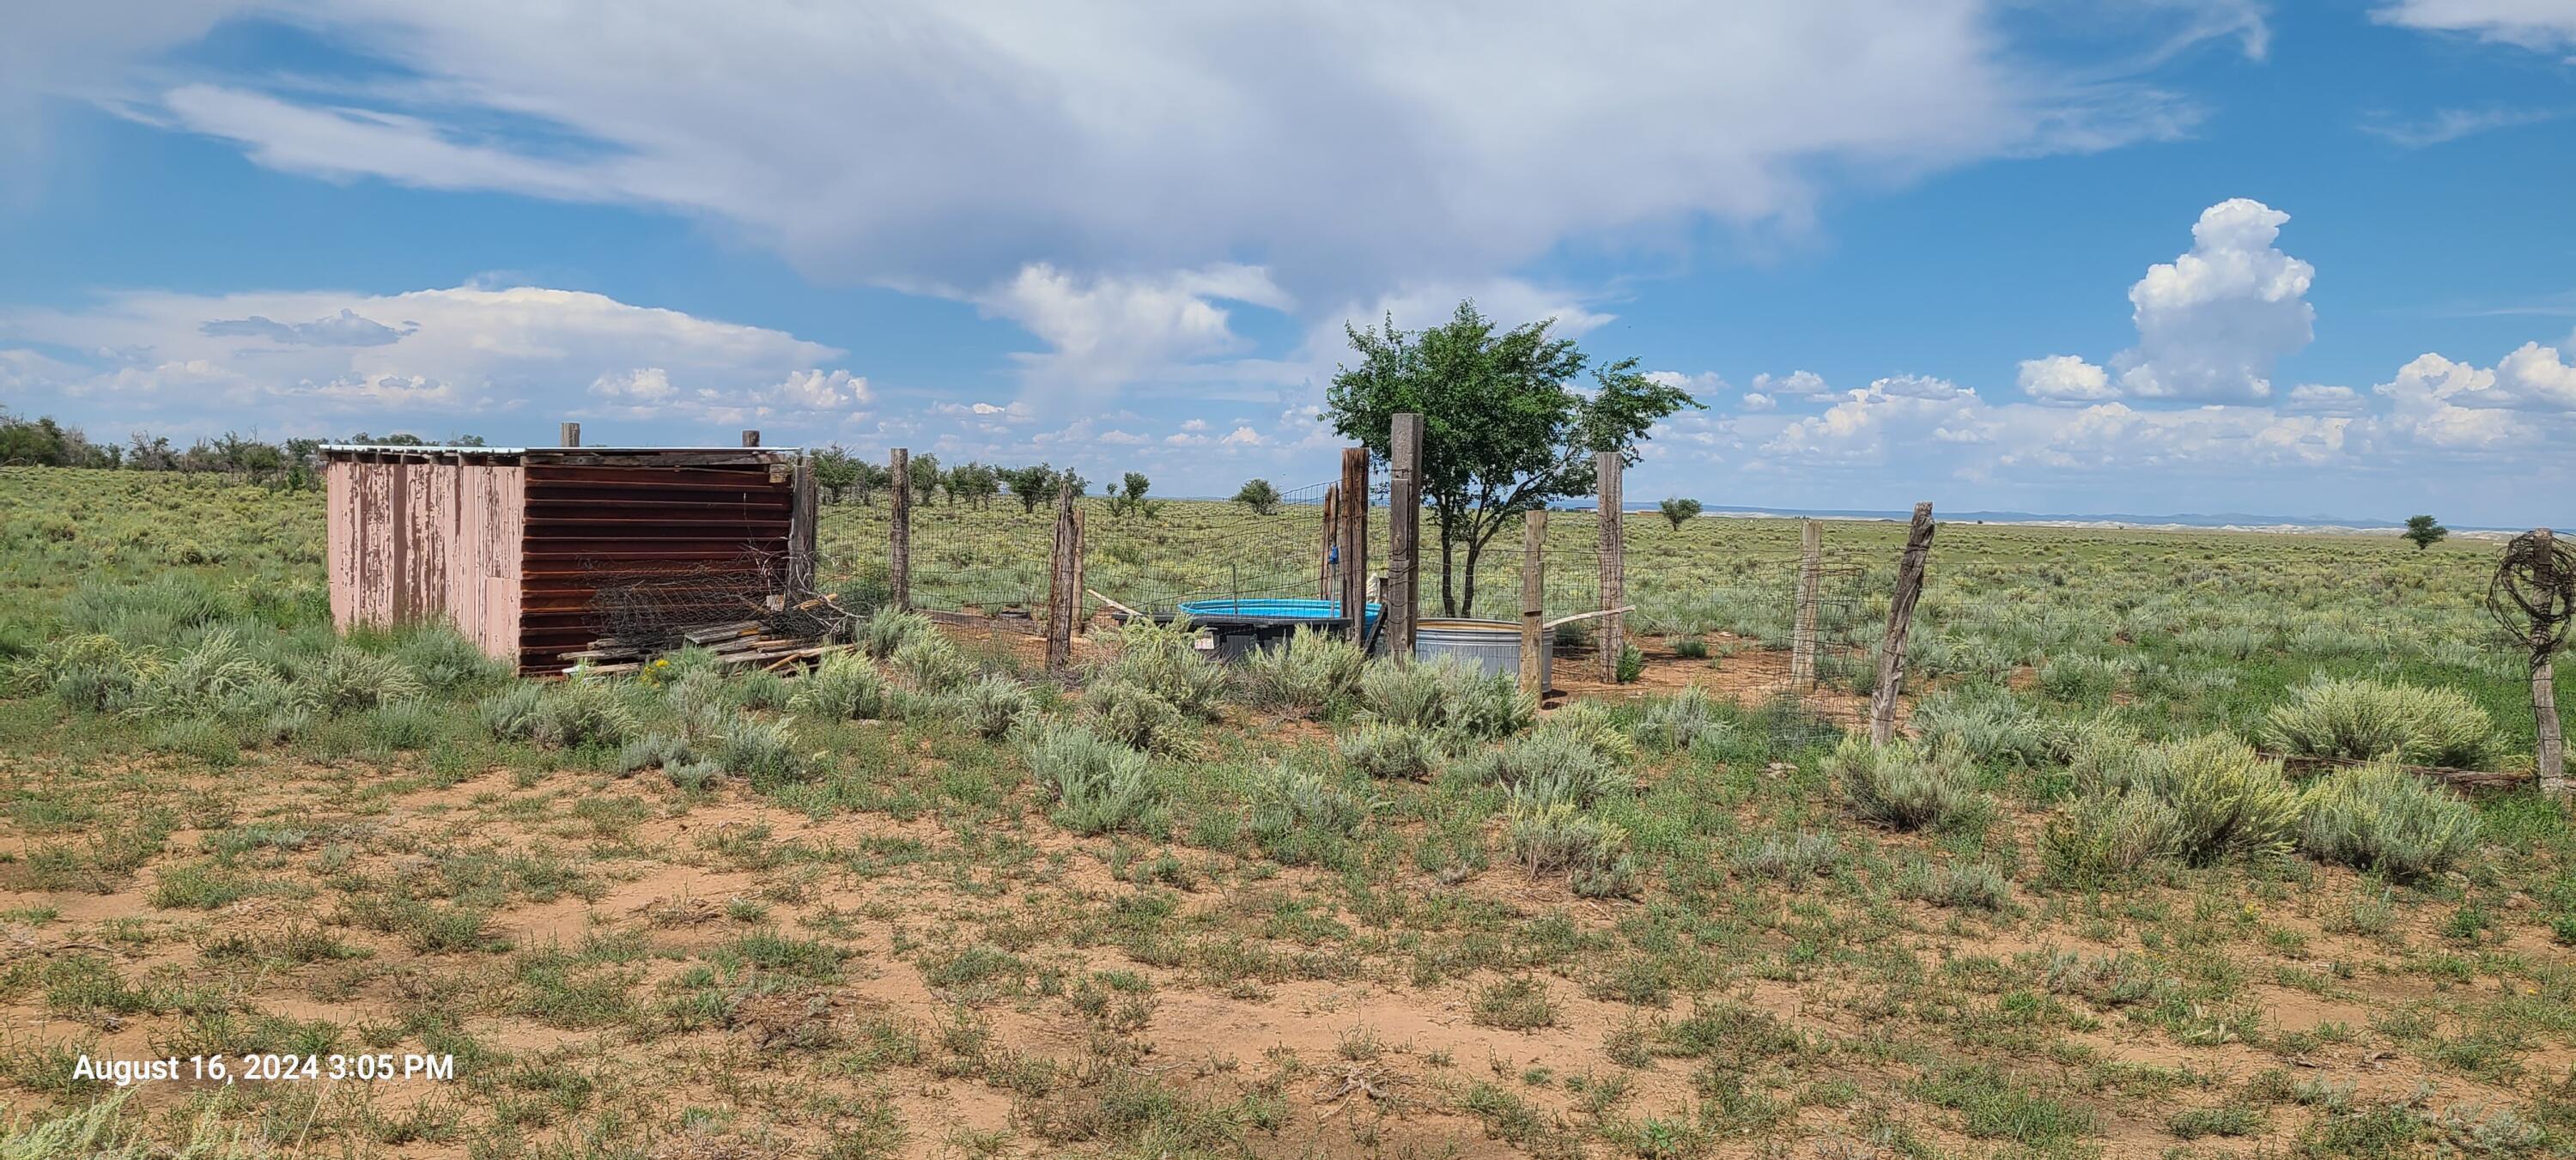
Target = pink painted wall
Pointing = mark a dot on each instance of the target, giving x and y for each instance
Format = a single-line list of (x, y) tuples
[(422, 540)]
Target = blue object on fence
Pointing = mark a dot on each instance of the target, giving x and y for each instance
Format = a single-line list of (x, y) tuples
[(1273, 610)]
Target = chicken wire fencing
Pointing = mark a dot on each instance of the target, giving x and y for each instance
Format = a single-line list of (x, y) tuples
[(1234, 551)]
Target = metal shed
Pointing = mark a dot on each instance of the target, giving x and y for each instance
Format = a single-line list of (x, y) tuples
[(513, 545)]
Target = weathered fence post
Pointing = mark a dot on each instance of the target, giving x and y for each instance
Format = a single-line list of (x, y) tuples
[(801, 550), (1900, 620), (1802, 637), (1355, 506), (1327, 584), (1064, 581), (571, 433), (899, 528), (751, 438), (2550, 762), (1614, 564), (1403, 532), (1533, 602)]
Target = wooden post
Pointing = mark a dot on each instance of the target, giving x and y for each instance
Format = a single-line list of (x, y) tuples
[(2550, 762), (899, 528), (1403, 532), (751, 438), (1327, 584), (1355, 506), (1064, 592), (1614, 563), (1533, 602), (801, 553), (1900, 620), (571, 433), (1802, 638)]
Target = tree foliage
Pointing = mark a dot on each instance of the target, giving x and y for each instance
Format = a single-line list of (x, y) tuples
[(1258, 495), (2424, 531), (1679, 511), (1128, 498), (1504, 432)]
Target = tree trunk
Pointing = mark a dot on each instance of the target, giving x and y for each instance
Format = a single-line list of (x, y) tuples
[(1448, 586), (1475, 552)]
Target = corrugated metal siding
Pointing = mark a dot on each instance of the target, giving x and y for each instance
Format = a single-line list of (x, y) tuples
[(586, 523)]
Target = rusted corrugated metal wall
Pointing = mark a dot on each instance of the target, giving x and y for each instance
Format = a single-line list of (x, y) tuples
[(589, 524), (414, 539)]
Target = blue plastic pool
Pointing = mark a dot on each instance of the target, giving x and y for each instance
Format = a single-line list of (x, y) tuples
[(1272, 611)]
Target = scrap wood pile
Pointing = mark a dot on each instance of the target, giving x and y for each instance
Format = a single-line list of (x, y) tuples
[(742, 644)]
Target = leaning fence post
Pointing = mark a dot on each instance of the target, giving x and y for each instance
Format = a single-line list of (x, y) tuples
[(1403, 532), (899, 528), (2550, 761), (1064, 592), (1614, 563), (1802, 638), (1355, 506), (1326, 587), (1534, 603), (1900, 620)]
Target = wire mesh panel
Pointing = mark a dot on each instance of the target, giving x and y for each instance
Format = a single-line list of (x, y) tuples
[(1156, 558)]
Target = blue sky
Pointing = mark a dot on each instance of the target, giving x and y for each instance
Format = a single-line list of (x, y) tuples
[(2177, 255)]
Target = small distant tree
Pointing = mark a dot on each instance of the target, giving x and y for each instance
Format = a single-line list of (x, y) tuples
[(2424, 531), (1258, 495), (835, 471), (1128, 498), (1680, 511), (974, 483), (926, 478), (873, 477), (1030, 485)]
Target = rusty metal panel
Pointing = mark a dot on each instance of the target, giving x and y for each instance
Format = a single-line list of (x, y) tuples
[(589, 526)]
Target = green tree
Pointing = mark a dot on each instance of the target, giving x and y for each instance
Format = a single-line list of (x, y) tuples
[(1679, 511), (2424, 531), (1258, 495), (836, 471), (1503, 431), (926, 478), (1030, 485), (1128, 498)]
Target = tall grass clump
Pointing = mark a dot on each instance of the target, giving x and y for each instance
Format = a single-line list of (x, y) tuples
[(1135, 716), (930, 663), (1309, 672), (1303, 816), (2361, 720), (1164, 660), (847, 686), (1904, 785), (1447, 696), (2381, 817), (445, 662), (568, 713), (1686, 720), (1550, 765), (1991, 725), (1381, 750), (2101, 840), (347, 679), (1099, 785), (889, 629), (1558, 837), (992, 706)]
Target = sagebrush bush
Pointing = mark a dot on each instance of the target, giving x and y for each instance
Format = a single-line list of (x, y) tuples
[(930, 663), (1134, 716), (1308, 672), (1382, 750), (1791, 858), (1597, 724), (1099, 785), (1164, 660), (1302, 815), (2381, 817), (1549, 766), (2227, 800), (2360, 720), (1448, 696), (408, 724), (1958, 885), (445, 662), (992, 706), (347, 679), (1687, 719), (1905, 785), (890, 628), (1991, 726), (1550, 837), (567, 713), (847, 686), (2103, 839), (761, 752)]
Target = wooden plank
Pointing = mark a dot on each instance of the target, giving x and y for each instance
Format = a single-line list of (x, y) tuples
[(1900, 621), (1403, 532)]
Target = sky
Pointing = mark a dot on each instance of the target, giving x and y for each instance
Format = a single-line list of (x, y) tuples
[(2156, 257)]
